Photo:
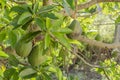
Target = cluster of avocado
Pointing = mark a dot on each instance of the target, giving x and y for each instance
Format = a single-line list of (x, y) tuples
[(34, 54), (25, 49)]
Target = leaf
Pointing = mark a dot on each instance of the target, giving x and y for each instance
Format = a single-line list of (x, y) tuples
[(62, 39), (2, 36), (59, 74), (3, 54), (24, 16), (64, 30), (48, 23), (47, 77), (66, 6), (18, 9), (29, 36), (28, 73), (50, 15), (117, 20), (13, 60), (25, 26), (15, 76), (40, 23), (71, 3), (9, 72), (47, 40), (14, 22), (45, 9), (12, 37), (35, 8)]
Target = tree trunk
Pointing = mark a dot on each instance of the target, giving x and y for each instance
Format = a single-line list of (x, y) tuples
[(117, 40), (117, 34)]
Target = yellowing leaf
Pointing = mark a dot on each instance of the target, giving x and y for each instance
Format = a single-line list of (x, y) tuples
[(3, 54)]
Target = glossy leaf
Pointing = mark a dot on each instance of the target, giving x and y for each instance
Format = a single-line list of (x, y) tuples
[(40, 23), (45, 9), (27, 73), (18, 9), (25, 26), (24, 16)]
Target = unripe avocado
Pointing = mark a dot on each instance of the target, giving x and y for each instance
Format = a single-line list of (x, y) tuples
[(76, 28), (35, 57), (23, 48)]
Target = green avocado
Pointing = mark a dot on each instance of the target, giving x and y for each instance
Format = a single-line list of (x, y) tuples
[(76, 29), (36, 56), (23, 48)]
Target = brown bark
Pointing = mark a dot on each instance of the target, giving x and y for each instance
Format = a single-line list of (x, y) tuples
[(97, 43), (92, 2), (117, 33)]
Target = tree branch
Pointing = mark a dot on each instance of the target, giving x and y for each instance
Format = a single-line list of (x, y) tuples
[(97, 43), (92, 2)]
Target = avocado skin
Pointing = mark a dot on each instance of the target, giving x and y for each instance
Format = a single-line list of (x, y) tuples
[(35, 57), (23, 48), (76, 29)]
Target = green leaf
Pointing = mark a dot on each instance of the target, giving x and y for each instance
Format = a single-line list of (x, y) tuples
[(47, 77), (25, 26), (18, 9), (48, 23), (24, 16), (40, 23), (64, 30), (62, 39), (29, 36), (12, 60), (8, 73), (66, 6), (35, 8), (50, 15), (47, 40), (2, 36), (14, 22), (117, 20), (59, 74), (15, 76), (3, 54), (45, 9), (28, 73), (12, 37), (71, 3)]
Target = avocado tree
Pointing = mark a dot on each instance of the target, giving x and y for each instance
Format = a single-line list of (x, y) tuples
[(47, 39)]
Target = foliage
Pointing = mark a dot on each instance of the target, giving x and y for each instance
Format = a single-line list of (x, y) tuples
[(113, 72), (47, 27)]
